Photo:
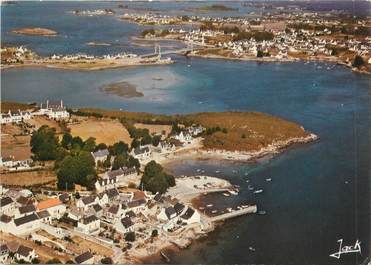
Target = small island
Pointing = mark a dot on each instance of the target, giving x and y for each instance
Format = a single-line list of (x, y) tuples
[(122, 89), (36, 32), (214, 7)]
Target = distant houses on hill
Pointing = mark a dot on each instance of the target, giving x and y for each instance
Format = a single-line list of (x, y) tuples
[(52, 110)]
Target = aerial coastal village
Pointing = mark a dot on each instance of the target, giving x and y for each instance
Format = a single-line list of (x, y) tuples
[(120, 203), (103, 184)]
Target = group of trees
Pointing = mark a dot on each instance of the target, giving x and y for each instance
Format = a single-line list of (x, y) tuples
[(73, 161), (211, 130), (154, 178), (74, 169), (142, 137), (44, 144)]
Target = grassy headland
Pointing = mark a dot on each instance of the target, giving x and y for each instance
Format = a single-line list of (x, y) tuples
[(232, 131)]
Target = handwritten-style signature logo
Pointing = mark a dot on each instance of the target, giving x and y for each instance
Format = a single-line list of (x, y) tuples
[(347, 249)]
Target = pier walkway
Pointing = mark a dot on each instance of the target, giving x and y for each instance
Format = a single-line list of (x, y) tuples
[(234, 213)]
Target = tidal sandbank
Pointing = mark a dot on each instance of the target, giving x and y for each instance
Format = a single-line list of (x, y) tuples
[(122, 89)]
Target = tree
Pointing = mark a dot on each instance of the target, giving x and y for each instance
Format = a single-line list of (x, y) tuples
[(118, 148), (154, 233), (358, 61), (156, 140), (66, 140), (77, 143), (260, 54), (133, 162), (44, 143), (107, 162), (119, 161), (135, 143), (106, 260), (130, 236), (100, 146), (154, 178), (146, 139), (77, 169), (89, 144)]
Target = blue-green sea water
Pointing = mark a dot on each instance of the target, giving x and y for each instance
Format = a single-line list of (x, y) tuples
[(319, 192)]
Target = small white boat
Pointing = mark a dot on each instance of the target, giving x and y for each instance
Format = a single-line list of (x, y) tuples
[(229, 210), (246, 174), (247, 181), (239, 207), (188, 65), (234, 171), (252, 249), (198, 170), (258, 191), (226, 194), (268, 179), (245, 206), (209, 205), (262, 212), (201, 208), (217, 171), (233, 192), (214, 211)]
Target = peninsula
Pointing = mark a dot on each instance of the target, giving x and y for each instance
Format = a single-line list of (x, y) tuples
[(23, 57)]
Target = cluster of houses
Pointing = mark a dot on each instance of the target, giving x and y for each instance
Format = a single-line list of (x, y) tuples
[(82, 56), (12, 164), (15, 116), (19, 54), (21, 214), (130, 211), (144, 152), (152, 19), (53, 110), (286, 39), (13, 252)]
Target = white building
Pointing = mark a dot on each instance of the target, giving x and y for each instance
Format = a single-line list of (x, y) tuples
[(25, 253), (7, 205), (4, 254), (190, 216), (15, 116), (141, 152), (54, 110), (124, 225), (184, 137), (54, 206), (24, 225), (87, 201), (88, 225), (100, 156)]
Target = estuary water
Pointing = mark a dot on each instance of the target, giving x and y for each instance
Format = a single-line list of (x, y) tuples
[(319, 192)]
